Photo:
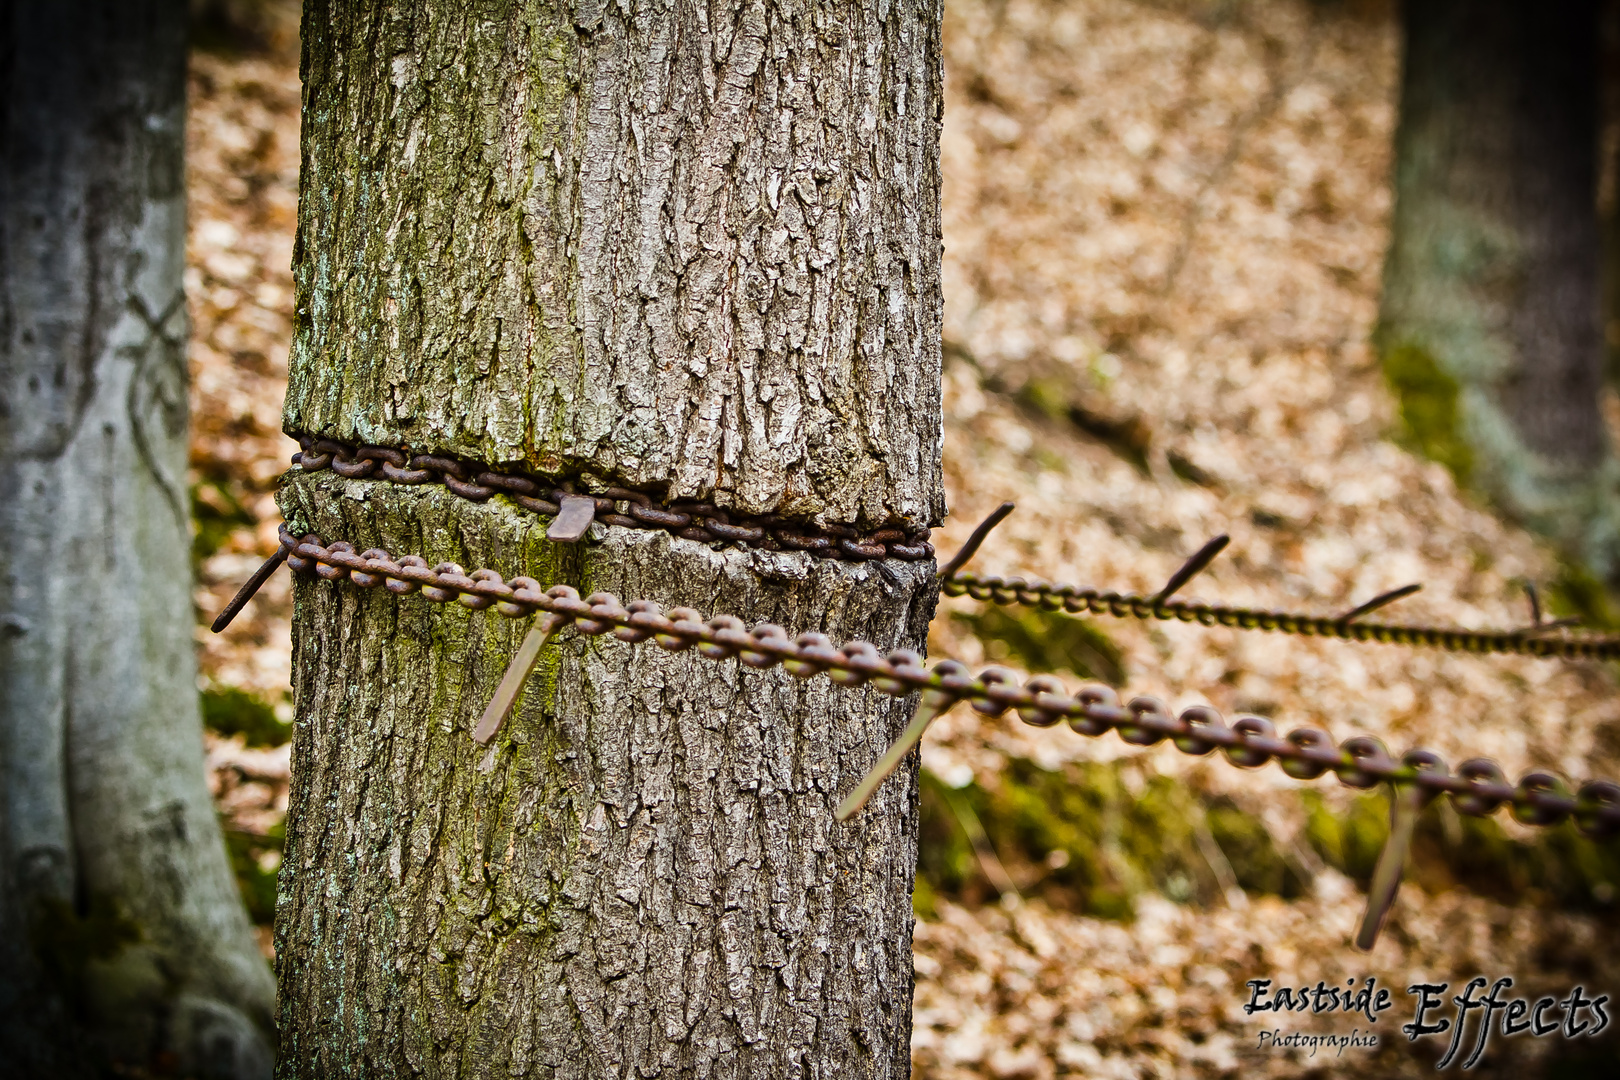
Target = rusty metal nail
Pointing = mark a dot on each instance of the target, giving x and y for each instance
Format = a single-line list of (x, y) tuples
[(249, 587), (1539, 623), (1192, 568), (1553, 624), (1380, 600), (1535, 602), (517, 674), (976, 538), (573, 519), (1406, 802), (934, 702)]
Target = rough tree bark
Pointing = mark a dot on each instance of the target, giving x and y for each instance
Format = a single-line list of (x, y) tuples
[(1490, 325), (692, 249), (122, 935)]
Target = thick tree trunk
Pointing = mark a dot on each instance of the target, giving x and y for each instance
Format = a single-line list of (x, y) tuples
[(122, 935), (1490, 325), (691, 250)]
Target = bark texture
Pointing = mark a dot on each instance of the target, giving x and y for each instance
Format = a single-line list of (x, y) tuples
[(692, 245), (641, 876), (691, 248), (122, 935), (1491, 313)]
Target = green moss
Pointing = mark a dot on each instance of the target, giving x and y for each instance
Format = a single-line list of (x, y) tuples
[(945, 860), (1053, 397), (1247, 844), (922, 900), (1047, 641), (1556, 868), (1049, 397), (67, 940), (1087, 838), (1079, 838), (1349, 842), (255, 860), (1578, 592), (216, 512), (1429, 410), (229, 711)]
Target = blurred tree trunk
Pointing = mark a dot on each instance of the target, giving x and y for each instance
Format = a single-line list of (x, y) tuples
[(122, 934), (1490, 326), (691, 250)]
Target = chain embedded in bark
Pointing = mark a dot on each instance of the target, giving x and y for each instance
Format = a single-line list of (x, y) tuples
[(1478, 787), (614, 505)]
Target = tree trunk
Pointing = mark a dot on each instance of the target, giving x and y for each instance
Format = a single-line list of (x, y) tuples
[(122, 935), (1490, 326), (691, 251)]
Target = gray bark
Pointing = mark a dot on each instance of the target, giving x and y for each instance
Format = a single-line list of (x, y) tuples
[(692, 249), (1490, 321), (122, 935)]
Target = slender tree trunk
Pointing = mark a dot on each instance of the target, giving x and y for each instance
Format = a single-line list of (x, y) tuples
[(122, 935), (689, 249), (1490, 322)]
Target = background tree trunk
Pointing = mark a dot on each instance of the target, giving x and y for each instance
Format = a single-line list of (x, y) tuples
[(1490, 324), (693, 250), (122, 935)]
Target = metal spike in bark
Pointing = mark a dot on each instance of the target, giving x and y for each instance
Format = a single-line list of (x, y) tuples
[(1406, 803), (1381, 600), (517, 674), (1192, 567), (249, 587), (969, 549), (573, 519), (933, 704)]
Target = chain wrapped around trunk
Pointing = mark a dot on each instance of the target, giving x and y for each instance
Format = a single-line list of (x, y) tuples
[(1478, 787), (693, 520)]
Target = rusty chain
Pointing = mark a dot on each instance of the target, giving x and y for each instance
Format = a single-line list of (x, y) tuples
[(1477, 788), (1077, 600), (614, 505)]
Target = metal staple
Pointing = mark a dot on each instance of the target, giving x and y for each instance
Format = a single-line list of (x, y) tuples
[(1478, 787), (614, 505)]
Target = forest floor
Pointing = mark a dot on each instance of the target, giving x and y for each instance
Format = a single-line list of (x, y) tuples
[(1164, 227)]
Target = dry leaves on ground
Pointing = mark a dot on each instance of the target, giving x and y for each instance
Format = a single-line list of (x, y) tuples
[(1164, 225)]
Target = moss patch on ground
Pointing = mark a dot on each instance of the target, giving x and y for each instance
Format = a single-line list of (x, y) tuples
[(216, 512), (1091, 837), (1430, 418), (1046, 641), (230, 711), (1556, 868), (1577, 592), (255, 861)]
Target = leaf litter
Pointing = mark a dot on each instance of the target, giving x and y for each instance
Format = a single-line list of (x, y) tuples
[(1164, 226)]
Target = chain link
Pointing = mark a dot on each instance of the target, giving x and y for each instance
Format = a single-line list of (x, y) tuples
[(1076, 600), (614, 505), (1477, 788)]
